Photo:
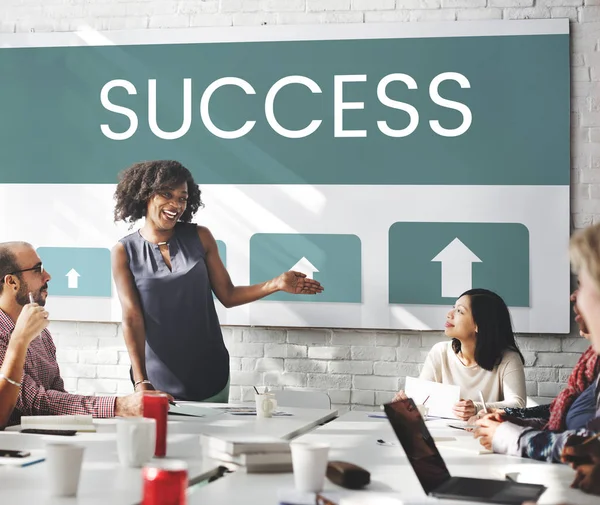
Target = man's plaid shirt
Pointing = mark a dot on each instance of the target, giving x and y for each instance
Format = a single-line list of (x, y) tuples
[(43, 390)]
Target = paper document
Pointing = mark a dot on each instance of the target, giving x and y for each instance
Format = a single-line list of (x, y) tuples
[(463, 444), (442, 397)]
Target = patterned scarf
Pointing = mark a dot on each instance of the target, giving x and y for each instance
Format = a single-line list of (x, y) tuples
[(584, 373)]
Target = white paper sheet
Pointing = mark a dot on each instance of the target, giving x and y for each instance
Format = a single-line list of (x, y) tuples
[(442, 397)]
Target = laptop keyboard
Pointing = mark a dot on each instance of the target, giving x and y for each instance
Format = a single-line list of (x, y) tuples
[(476, 488)]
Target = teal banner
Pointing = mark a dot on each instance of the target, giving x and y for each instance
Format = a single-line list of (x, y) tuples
[(454, 110)]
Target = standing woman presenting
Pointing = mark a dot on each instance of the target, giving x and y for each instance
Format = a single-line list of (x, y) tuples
[(165, 275)]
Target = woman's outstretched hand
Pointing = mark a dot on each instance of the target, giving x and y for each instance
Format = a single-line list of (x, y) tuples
[(298, 284)]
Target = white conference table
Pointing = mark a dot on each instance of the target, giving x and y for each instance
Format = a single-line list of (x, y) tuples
[(105, 481), (353, 438), (287, 427)]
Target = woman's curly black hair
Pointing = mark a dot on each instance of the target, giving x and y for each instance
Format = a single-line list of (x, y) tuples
[(142, 180)]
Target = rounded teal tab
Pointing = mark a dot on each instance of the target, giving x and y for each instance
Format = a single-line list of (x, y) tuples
[(77, 271), (333, 260), (433, 263)]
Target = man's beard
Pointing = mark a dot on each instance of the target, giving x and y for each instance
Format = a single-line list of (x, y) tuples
[(23, 295)]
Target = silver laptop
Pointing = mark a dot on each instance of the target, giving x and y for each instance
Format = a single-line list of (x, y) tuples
[(432, 472)]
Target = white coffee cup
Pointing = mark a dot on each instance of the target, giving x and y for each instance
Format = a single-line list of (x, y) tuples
[(136, 440), (265, 404), (310, 464), (63, 467)]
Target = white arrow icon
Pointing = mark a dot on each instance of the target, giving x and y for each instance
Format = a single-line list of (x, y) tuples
[(457, 269), (306, 267), (73, 276)]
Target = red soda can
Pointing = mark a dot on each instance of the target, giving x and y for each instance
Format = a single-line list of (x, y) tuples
[(156, 406), (165, 483)]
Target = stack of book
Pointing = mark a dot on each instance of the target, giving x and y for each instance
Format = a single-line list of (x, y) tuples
[(80, 423), (252, 454)]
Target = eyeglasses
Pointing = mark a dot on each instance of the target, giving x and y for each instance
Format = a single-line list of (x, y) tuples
[(39, 268)]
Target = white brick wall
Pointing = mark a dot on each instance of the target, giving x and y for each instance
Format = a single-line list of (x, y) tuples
[(355, 376), (359, 369)]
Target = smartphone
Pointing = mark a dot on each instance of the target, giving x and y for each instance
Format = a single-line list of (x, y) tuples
[(8, 453), (64, 433)]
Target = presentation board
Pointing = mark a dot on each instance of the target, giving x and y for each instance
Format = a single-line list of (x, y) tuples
[(398, 164)]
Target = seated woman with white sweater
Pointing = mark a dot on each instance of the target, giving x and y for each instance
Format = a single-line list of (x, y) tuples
[(482, 355)]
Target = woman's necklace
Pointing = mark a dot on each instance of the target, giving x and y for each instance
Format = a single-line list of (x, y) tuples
[(157, 243)]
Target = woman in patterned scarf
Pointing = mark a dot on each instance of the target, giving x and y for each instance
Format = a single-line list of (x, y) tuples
[(580, 448), (575, 405)]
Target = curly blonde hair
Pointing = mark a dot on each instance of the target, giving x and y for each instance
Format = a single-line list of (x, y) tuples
[(584, 249)]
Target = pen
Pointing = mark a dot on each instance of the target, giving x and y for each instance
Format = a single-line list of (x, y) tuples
[(171, 402), (457, 427), (483, 402), (31, 300), (597, 435), (33, 462)]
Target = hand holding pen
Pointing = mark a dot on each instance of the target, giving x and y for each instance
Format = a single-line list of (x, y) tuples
[(583, 454), (32, 320), (579, 450)]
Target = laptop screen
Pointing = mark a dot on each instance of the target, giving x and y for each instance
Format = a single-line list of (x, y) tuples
[(418, 443)]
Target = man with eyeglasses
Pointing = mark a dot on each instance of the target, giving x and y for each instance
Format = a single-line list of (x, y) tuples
[(31, 381)]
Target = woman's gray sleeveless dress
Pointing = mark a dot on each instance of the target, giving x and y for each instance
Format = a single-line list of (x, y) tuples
[(185, 353)]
